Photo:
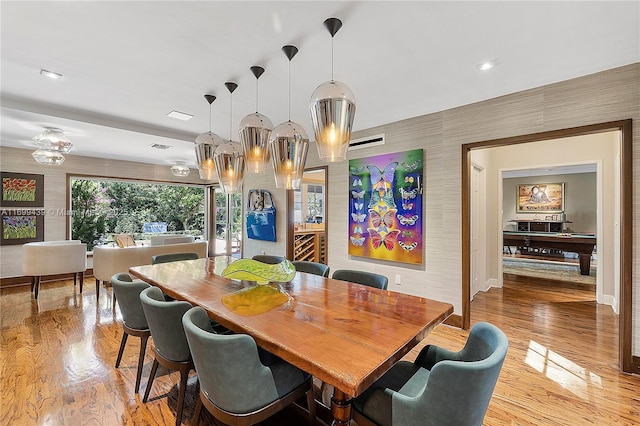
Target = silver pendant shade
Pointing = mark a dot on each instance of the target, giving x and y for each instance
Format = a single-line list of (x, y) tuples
[(229, 158), (206, 144), (255, 131), (332, 108), (289, 144)]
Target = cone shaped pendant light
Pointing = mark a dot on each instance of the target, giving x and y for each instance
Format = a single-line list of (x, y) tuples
[(229, 158), (289, 144), (332, 107), (255, 131), (206, 144)]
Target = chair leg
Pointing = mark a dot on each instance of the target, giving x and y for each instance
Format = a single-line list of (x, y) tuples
[(196, 413), (154, 368), (311, 403), (184, 375), (33, 283), (75, 278), (143, 348), (36, 288), (97, 289), (123, 342), (81, 281)]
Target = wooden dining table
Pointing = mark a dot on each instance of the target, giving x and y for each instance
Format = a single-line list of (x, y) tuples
[(345, 334)]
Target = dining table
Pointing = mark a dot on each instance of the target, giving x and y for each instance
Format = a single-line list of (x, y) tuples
[(344, 334)]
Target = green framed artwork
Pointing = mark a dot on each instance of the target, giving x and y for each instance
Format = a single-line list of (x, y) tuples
[(22, 190), (21, 226)]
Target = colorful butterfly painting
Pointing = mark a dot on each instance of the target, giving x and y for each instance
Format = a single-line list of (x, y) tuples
[(386, 219), (357, 194), (357, 229), (407, 206), (386, 198), (357, 171), (358, 206), (411, 167), (408, 195), (357, 182), (407, 234), (388, 241), (409, 179), (382, 178), (358, 217), (407, 220), (408, 247), (357, 241)]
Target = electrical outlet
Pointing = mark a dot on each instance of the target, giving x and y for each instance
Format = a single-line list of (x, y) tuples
[(398, 280)]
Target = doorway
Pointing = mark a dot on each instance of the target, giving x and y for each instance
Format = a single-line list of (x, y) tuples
[(624, 260)]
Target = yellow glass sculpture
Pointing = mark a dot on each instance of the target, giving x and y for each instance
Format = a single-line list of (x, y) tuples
[(261, 273)]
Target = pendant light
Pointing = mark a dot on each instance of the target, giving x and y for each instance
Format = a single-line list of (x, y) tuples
[(53, 139), (333, 107), (206, 144), (48, 157), (255, 130), (229, 158), (289, 144), (180, 169)]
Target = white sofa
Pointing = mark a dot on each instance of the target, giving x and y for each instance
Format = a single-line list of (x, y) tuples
[(108, 261), (159, 240), (53, 258)]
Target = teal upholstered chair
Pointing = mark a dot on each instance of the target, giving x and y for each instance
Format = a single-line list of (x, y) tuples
[(311, 267), (440, 388), (127, 291), (172, 257), (239, 383), (362, 277), (268, 258), (170, 342)]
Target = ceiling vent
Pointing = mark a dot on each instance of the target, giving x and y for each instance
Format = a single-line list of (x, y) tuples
[(159, 146), (367, 142)]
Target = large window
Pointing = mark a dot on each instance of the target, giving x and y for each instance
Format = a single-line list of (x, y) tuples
[(102, 208)]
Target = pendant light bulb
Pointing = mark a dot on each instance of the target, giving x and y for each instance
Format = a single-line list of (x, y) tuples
[(228, 157), (206, 144), (255, 131)]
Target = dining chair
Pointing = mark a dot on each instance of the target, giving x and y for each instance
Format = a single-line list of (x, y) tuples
[(171, 349), (268, 258), (311, 267), (236, 385), (127, 291), (173, 257), (440, 387), (361, 277)]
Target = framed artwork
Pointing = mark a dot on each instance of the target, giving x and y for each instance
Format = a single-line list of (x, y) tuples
[(540, 198), (385, 207), (21, 226), (22, 190)]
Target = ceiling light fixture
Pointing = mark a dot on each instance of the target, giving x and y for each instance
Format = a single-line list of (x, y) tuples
[(53, 139), (180, 169), (50, 74), (289, 144), (487, 65), (228, 156), (255, 130), (47, 157), (180, 115), (332, 107), (206, 144)]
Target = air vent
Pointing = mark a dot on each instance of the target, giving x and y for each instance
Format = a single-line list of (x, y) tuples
[(366, 142), (159, 146)]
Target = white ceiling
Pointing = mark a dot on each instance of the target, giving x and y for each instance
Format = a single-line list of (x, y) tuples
[(127, 64)]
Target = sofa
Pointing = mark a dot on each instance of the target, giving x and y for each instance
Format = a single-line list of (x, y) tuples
[(108, 260), (53, 258)]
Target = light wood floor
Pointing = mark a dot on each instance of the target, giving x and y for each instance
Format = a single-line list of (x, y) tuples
[(57, 357)]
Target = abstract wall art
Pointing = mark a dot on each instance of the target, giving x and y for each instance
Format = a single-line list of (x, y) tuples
[(22, 190), (385, 207), (21, 226)]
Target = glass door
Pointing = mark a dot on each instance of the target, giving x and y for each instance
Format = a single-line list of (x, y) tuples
[(228, 223)]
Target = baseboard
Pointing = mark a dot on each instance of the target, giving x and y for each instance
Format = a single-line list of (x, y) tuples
[(25, 280), (491, 282)]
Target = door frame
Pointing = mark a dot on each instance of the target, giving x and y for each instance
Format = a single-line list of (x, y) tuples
[(626, 224)]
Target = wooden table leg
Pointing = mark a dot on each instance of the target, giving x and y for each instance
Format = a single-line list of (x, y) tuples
[(585, 263), (340, 408)]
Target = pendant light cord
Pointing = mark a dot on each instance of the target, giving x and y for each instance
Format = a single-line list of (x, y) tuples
[(289, 89), (230, 116), (209, 118), (331, 58), (257, 94)]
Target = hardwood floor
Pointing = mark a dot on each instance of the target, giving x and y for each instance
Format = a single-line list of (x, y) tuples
[(58, 355)]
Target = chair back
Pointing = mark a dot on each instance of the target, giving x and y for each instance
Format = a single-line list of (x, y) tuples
[(173, 257), (471, 376), (229, 368), (165, 323), (267, 258), (311, 267), (362, 277), (127, 292)]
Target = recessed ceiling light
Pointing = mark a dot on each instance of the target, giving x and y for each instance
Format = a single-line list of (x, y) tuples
[(487, 65), (50, 74), (180, 115), (159, 146)]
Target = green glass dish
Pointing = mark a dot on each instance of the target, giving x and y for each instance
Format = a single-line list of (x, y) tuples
[(261, 273)]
